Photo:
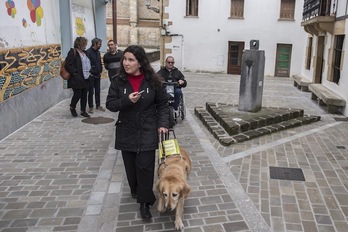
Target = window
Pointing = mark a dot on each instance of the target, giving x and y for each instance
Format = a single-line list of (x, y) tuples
[(287, 9), (191, 7), (337, 56), (237, 8), (309, 53)]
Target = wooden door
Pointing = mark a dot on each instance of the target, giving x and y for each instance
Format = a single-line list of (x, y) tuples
[(283, 60), (235, 52)]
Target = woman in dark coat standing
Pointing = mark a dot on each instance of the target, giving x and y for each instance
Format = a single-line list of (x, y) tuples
[(78, 65), (138, 95)]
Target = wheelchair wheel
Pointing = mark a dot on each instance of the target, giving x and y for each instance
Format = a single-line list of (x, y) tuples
[(182, 108), (171, 117)]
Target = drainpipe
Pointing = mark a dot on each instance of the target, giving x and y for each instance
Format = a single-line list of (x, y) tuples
[(114, 21)]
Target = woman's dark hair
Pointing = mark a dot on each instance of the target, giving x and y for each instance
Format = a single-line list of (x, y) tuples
[(80, 43), (145, 66)]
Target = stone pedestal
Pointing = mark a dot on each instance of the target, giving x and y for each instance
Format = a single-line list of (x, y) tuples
[(251, 83)]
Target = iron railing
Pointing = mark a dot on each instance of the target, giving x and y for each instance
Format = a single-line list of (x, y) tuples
[(315, 8)]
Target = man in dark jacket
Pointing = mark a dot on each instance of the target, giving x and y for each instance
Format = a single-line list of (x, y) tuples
[(171, 73), (96, 70)]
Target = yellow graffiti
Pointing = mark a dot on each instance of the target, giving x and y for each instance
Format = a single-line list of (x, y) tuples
[(80, 26)]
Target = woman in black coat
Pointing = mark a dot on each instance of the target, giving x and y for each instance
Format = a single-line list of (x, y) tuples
[(138, 95), (78, 65)]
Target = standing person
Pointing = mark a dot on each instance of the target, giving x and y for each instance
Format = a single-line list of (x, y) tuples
[(112, 59), (171, 73), (138, 95), (96, 70), (78, 65)]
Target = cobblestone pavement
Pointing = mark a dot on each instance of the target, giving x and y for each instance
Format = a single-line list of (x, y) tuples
[(60, 174)]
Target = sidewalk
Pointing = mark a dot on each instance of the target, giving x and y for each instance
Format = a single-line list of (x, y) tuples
[(60, 174)]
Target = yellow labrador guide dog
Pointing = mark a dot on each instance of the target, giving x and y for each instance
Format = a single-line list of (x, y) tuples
[(173, 170)]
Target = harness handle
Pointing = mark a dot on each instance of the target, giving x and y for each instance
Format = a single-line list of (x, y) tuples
[(165, 136)]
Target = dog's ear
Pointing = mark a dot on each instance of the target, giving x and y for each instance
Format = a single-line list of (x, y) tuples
[(159, 187), (186, 190)]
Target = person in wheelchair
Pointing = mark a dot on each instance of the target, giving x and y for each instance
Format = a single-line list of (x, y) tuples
[(170, 73)]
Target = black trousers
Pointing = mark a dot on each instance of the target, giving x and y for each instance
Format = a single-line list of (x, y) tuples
[(140, 169), (94, 88), (79, 94)]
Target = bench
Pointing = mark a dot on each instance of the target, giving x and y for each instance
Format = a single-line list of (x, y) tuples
[(301, 83), (332, 100)]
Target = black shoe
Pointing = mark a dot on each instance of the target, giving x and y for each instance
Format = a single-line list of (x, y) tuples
[(134, 195), (73, 112), (145, 211), (84, 114)]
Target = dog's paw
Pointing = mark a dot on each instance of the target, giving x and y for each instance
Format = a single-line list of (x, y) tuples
[(178, 224)]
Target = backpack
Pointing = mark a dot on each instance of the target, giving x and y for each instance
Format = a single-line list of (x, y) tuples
[(63, 72)]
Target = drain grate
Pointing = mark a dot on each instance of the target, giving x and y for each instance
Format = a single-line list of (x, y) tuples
[(341, 147), (98, 120), (286, 173)]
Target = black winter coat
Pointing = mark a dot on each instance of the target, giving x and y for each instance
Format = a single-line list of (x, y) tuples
[(137, 124), (175, 75), (73, 65)]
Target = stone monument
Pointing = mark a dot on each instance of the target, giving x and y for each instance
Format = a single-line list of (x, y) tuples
[(251, 81)]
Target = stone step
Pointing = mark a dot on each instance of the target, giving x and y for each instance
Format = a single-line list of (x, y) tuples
[(230, 126)]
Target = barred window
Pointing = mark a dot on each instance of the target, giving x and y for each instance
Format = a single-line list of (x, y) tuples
[(191, 7), (237, 8), (287, 9)]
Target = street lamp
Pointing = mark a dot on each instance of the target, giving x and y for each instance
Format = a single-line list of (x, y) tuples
[(148, 3)]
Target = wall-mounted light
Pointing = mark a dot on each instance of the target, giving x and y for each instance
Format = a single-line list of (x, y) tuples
[(148, 3)]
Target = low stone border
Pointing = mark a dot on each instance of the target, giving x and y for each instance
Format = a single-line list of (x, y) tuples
[(228, 131)]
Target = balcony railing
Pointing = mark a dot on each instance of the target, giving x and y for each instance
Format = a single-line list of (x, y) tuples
[(315, 8)]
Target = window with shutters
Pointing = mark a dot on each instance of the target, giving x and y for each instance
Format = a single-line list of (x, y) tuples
[(191, 7), (287, 9), (337, 58), (237, 9), (309, 53)]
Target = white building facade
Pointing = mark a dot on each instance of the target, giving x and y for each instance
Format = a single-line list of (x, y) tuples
[(326, 59), (210, 36)]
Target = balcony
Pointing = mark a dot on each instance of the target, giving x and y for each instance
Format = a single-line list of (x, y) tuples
[(317, 18)]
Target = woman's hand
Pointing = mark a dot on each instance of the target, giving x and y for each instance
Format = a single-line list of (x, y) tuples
[(134, 97), (162, 130)]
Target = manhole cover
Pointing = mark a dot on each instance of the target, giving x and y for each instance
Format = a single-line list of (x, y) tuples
[(286, 173), (98, 120)]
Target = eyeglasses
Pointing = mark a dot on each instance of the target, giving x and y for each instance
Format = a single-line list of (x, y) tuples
[(170, 62), (110, 45)]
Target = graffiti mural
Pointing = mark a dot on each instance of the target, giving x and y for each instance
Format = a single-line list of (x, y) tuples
[(36, 11), (26, 23), (26, 67)]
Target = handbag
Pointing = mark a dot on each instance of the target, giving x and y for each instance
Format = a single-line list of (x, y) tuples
[(167, 146), (63, 72)]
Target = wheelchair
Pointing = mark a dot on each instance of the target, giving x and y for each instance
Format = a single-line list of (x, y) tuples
[(181, 112)]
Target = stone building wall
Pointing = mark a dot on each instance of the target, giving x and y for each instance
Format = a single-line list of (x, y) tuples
[(135, 23)]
